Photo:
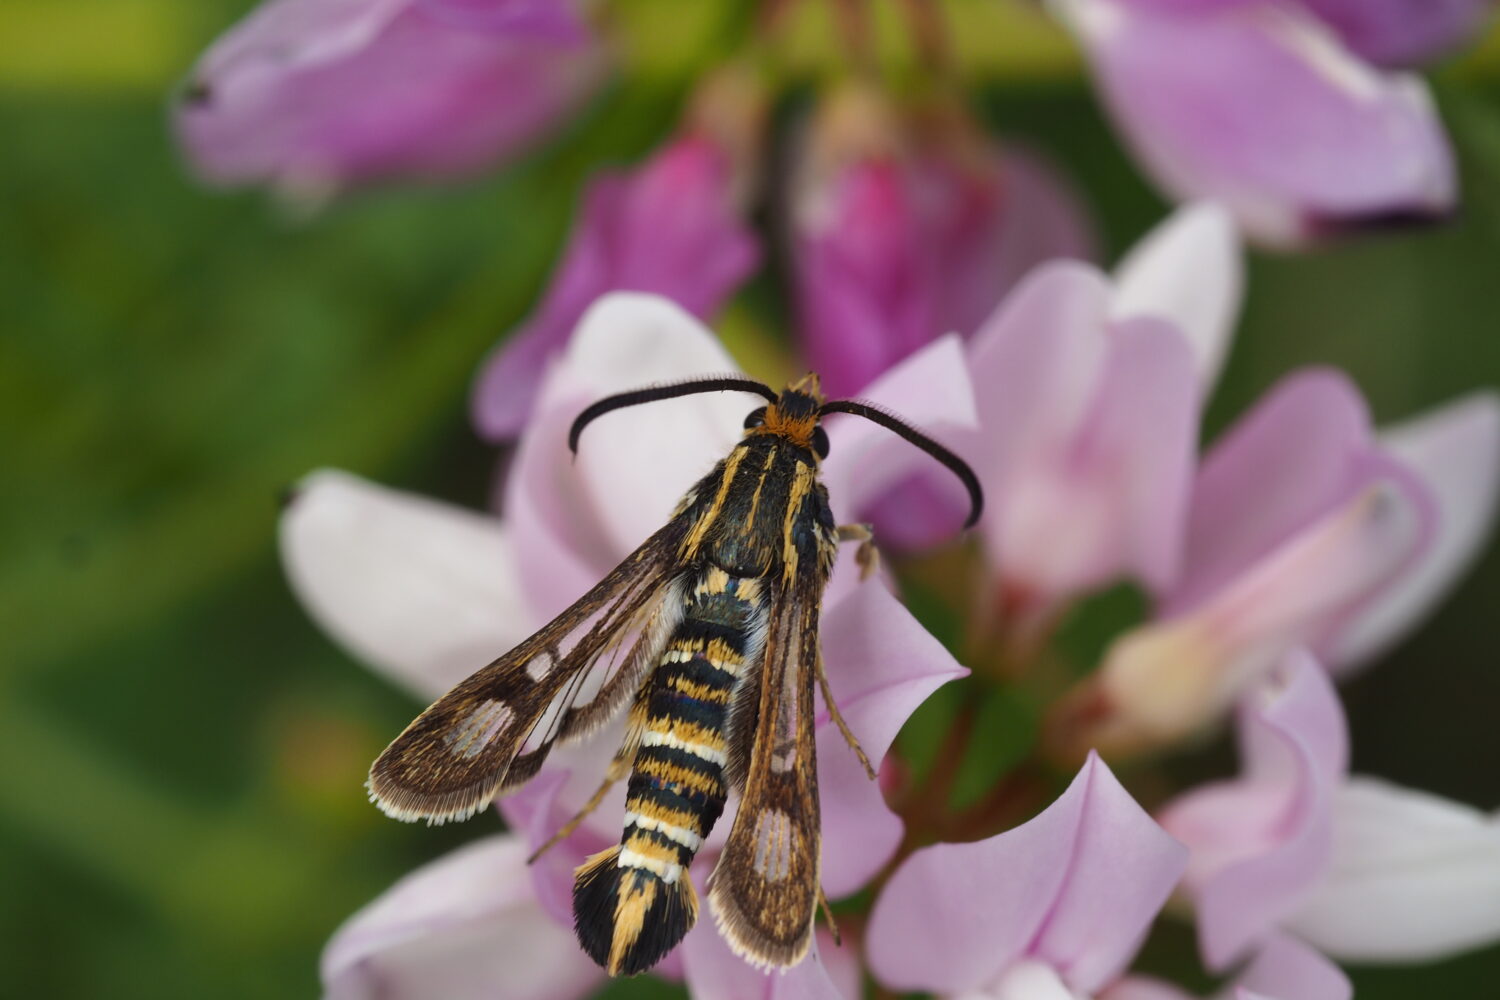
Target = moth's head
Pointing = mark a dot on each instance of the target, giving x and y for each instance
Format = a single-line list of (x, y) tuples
[(794, 416)]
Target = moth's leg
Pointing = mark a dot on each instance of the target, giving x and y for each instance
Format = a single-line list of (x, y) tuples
[(867, 555), (838, 718), (618, 768), (833, 928)]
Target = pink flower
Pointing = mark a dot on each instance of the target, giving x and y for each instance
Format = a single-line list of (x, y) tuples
[(1306, 528), (1356, 867), (900, 235), (1092, 388), (674, 226), (1283, 969), (424, 592), (310, 94), (1259, 104), (1055, 908)]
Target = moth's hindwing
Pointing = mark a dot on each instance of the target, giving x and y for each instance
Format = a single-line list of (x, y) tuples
[(765, 889), (493, 731)]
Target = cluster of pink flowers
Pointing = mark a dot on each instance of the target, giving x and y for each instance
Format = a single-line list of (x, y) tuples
[(948, 278), (1302, 538)]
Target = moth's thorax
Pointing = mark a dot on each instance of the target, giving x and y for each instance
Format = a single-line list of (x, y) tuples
[(761, 511)]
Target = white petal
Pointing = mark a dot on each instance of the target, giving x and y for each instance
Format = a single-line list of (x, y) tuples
[(636, 463), (1415, 878), (424, 592), (1456, 452), (1190, 271), (464, 928), (1032, 980)]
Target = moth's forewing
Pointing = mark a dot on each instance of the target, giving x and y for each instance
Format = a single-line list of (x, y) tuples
[(493, 731), (765, 887)]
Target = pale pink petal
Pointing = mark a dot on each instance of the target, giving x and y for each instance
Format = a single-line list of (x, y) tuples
[(1259, 106), (881, 665), (423, 591), (1455, 451), (1260, 845), (1029, 980), (713, 972), (1287, 969), (1165, 680), (1107, 501), (1415, 878), (932, 391), (1190, 271), (624, 342), (1088, 434), (564, 551), (465, 928), (1077, 888), (1290, 460)]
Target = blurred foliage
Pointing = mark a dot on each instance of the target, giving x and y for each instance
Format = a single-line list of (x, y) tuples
[(181, 813)]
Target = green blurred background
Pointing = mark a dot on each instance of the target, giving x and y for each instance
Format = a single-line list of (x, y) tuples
[(181, 750)]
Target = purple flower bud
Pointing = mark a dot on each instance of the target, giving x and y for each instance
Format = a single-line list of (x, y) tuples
[(897, 241), (311, 94)]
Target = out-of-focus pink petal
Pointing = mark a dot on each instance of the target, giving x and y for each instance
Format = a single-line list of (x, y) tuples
[(1189, 271), (672, 228), (1261, 844), (1403, 32), (1286, 969), (1290, 460), (881, 665), (328, 92), (1084, 480), (1455, 451), (551, 20), (905, 228), (1258, 105), (422, 591), (464, 927), (1165, 680), (1415, 878), (713, 972), (1080, 884), (1042, 219)]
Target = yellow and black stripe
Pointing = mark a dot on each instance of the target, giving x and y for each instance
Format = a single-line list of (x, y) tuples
[(634, 902)]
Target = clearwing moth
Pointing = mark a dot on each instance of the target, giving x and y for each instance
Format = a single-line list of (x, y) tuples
[(710, 631)]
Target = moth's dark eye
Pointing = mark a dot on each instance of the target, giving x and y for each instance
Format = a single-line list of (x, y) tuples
[(820, 442), (755, 418)]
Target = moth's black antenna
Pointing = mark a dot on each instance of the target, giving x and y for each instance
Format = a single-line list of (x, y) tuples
[(671, 390), (894, 423)]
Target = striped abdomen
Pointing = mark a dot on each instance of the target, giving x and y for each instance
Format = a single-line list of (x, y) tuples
[(634, 902)]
